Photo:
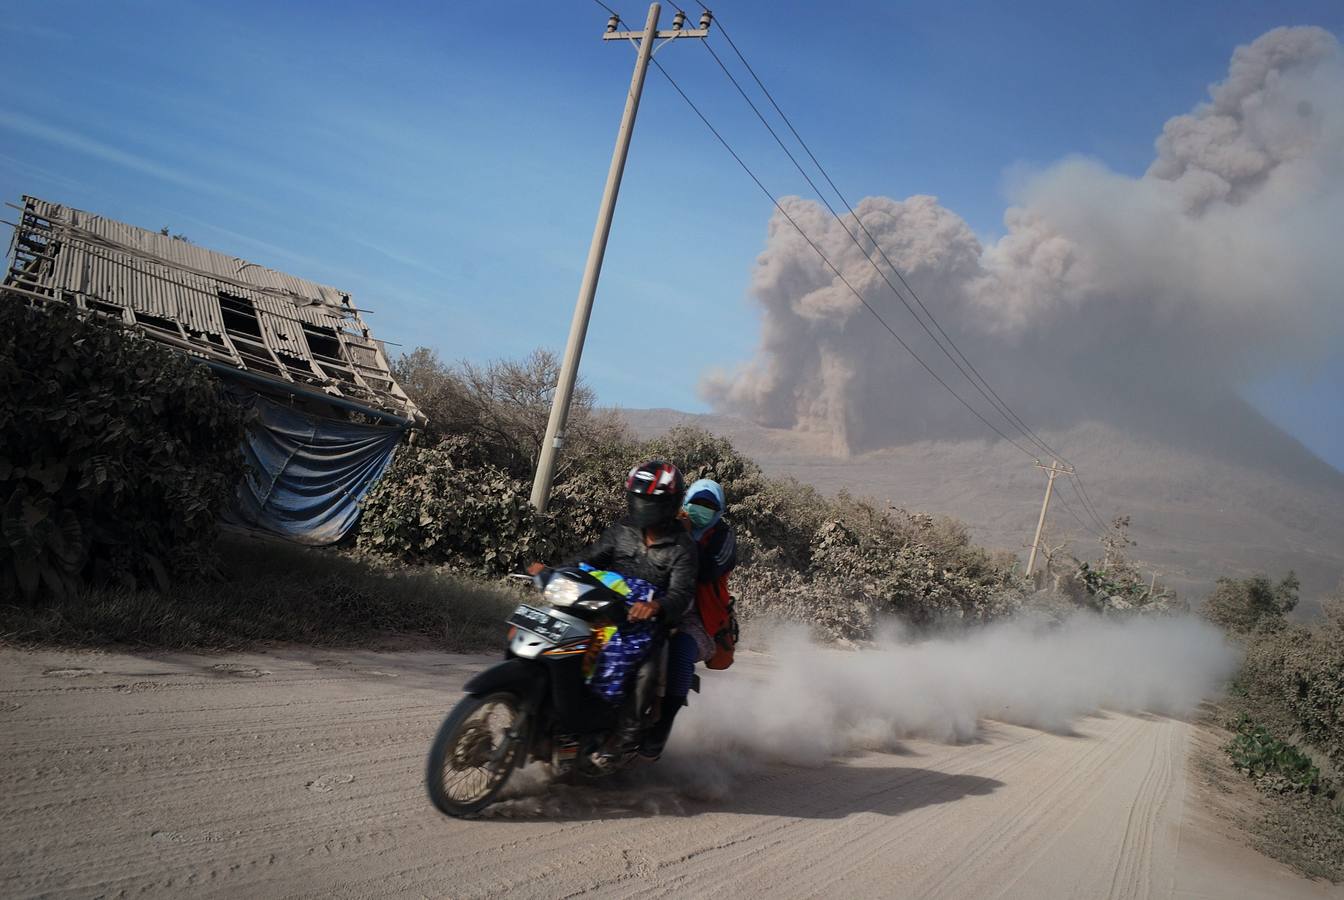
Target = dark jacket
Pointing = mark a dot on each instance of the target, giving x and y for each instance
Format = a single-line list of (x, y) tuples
[(718, 552), (669, 563)]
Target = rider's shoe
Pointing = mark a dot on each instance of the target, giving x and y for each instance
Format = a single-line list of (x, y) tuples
[(623, 741), (655, 739)]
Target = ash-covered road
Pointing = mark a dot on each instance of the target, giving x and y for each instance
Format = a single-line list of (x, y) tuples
[(298, 773)]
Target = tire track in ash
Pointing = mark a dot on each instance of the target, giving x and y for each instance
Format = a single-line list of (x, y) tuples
[(747, 863), (1041, 857), (1133, 876), (994, 857)]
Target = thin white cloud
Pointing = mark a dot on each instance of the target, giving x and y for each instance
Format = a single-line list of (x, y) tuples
[(71, 140), (398, 257), (43, 176)]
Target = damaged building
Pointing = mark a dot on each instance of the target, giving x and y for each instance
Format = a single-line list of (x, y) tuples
[(325, 413)]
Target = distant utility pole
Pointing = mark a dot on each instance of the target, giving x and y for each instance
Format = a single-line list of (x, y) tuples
[(1052, 472), (569, 368)]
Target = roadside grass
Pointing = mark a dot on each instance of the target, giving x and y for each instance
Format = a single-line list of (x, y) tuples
[(274, 591)]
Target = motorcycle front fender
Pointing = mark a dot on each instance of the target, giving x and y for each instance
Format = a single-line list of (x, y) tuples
[(523, 677)]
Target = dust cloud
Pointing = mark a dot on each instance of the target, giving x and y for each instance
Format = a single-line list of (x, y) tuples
[(1146, 299), (817, 702), (807, 704)]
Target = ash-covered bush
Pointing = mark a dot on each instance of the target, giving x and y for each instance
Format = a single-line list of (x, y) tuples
[(118, 455), (461, 498), (1293, 679), (447, 504), (831, 610), (867, 562), (1242, 605), (837, 564), (450, 505)]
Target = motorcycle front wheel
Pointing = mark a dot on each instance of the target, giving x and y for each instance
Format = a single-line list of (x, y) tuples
[(474, 752)]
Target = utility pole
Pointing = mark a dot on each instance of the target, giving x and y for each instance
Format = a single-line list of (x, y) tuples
[(1054, 471), (578, 329)]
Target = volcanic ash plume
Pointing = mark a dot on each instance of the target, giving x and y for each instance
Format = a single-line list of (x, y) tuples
[(1219, 264)]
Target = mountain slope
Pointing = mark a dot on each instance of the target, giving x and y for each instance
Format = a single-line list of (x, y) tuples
[(1201, 504)]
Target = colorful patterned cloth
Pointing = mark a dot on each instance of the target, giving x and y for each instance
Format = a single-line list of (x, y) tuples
[(625, 647)]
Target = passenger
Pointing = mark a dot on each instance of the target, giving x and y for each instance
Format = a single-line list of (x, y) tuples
[(706, 631)]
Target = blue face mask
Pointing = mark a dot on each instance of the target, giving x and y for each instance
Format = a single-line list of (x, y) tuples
[(700, 516)]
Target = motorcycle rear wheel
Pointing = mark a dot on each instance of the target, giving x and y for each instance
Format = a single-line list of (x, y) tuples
[(473, 753)]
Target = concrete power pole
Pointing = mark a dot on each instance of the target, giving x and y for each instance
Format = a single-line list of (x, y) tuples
[(578, 329), (1054, 471)]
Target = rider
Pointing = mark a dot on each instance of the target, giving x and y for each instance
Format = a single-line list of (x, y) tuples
[(716, 546), (649, 543)]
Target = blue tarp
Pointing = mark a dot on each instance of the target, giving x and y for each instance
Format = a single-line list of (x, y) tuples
[(307, 474)]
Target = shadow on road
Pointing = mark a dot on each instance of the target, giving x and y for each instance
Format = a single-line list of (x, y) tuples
[(682, 788)]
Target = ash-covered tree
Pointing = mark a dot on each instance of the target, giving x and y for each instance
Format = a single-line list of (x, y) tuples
[(1243, 605), (503, 407)]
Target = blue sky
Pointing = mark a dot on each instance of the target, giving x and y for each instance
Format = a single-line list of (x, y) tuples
[(443, 162)]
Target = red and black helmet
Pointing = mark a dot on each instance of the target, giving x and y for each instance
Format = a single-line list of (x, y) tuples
[(653, 493)]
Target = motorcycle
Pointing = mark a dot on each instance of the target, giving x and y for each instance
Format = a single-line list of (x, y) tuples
[(535, 705)]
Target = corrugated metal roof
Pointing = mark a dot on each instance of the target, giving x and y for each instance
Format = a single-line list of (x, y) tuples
[(173, 289)]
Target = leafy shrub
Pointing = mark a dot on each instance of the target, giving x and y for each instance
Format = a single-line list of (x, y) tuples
[(462, 499), (118, 455), (1282, 767), (1114, 584)]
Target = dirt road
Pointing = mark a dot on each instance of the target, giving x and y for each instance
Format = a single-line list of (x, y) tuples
[(298, 773)]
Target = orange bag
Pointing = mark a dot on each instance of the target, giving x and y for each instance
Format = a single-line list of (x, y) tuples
[(715, 605)]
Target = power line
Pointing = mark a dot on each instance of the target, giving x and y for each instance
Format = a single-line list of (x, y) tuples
[(936, 377), (1087, 502), (1086, 527), (987, 391), (857, 243)]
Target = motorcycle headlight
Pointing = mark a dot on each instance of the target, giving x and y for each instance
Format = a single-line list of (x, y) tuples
[(563, 592)]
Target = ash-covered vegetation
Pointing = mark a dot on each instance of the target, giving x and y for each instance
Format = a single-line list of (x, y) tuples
[(120, 456), (1286, 712), (838, 564)]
